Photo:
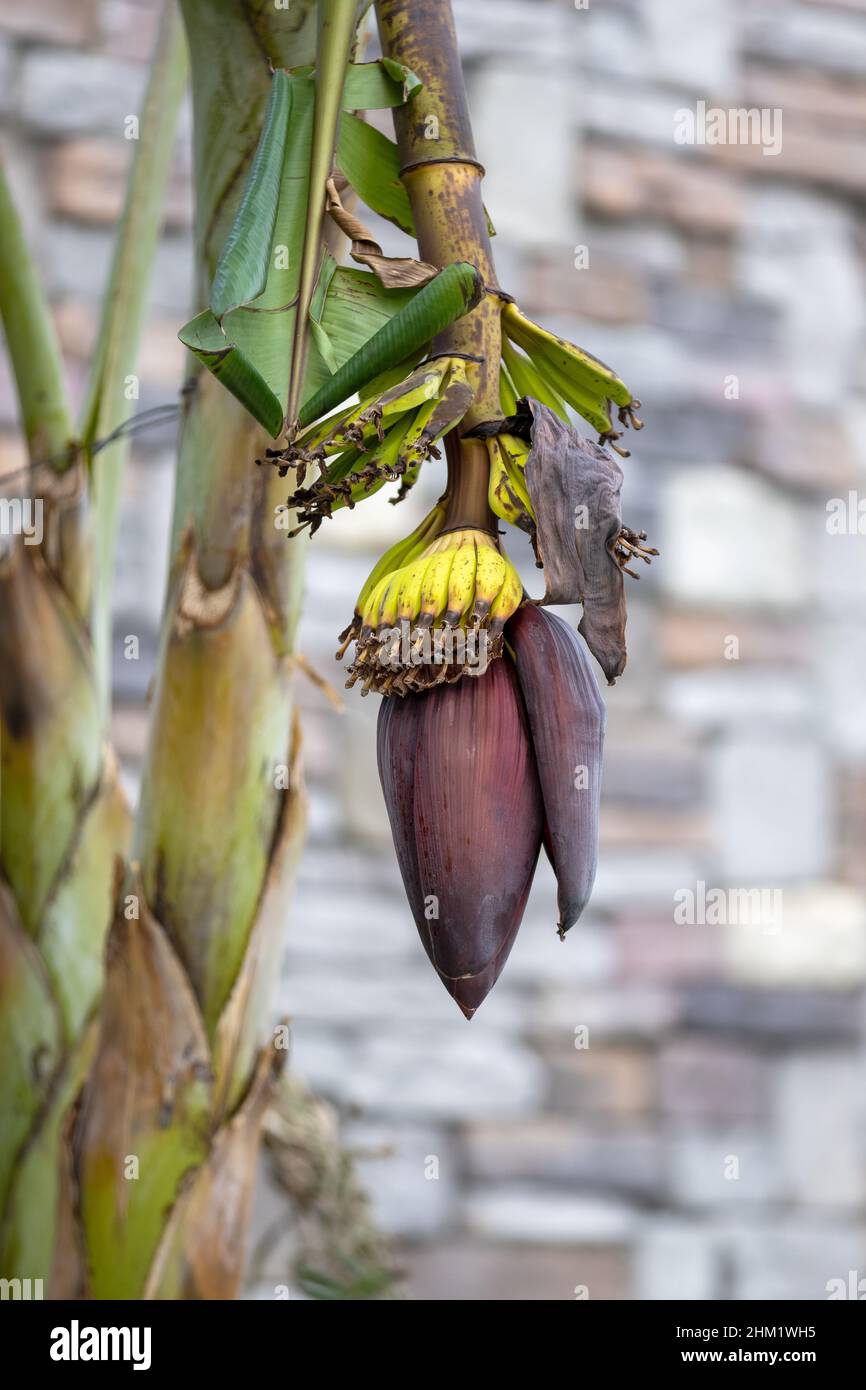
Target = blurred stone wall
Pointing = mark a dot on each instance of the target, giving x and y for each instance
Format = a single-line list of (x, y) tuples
[(710, 1141)]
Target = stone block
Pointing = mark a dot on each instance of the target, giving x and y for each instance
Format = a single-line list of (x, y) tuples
[(773, 808), (702, 1079)]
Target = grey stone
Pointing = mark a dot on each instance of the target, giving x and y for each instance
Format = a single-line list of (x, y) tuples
[(674, 1260), (738, 695), (83, 93), (724, 1167), (443, 1073), (487, 29), (646, 116), (781, 1016), (701, 1079), (796, 1258), (821, 1115), (718, 511), (816, 37), (611, 1013), (646, 876), (525, 1212), (409, 1174), (694, 429), (557, 1150), (794, 243), (709, 319), (80, 258), (511, 104), (773, 808), (469, 1270), (696, 49)]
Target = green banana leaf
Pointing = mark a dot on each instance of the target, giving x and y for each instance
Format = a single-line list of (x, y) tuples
[(371, 163), (374, 86), (449, 295), (242, 271)]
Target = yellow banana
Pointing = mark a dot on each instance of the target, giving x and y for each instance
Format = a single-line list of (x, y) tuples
[(489, 578), (406, 549), (461, 581), (508, 599), (434, 590)]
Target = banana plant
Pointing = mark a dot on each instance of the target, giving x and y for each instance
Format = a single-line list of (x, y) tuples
[(64, 821), (163, 1149), (351, 378)]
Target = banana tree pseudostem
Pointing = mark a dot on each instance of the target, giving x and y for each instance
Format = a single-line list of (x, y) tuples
[(64, 822)]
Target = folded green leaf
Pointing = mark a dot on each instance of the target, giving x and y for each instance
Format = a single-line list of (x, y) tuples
[(452, 293), (233, 366), (371, 163), (374, 86), (242, 270)]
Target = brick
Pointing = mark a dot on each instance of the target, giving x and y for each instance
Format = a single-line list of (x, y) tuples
[(828, 159), (51, 21), (701, 1079), (87, 182), (13, 454), (458, 1271), (851, 789), (128, 29), (809, 449), (806, 96), (606, 1080), (636, 183), (690, 640), (657, 949), (780, 1016), (608, 291), (551, 1149), (621, 826)]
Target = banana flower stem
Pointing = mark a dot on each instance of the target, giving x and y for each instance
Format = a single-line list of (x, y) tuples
[(442, 177)]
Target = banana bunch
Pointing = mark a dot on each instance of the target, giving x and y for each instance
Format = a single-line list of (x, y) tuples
[(385, 437), (538, 364), (507, 493), (436, 616)]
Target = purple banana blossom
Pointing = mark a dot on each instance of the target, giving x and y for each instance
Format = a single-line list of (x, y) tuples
[(476, 776)]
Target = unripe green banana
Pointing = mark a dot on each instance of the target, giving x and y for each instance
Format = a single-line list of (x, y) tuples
[(590, 375)]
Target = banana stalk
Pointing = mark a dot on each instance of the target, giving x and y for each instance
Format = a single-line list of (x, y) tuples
[(186, 1062), (64, 823)]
